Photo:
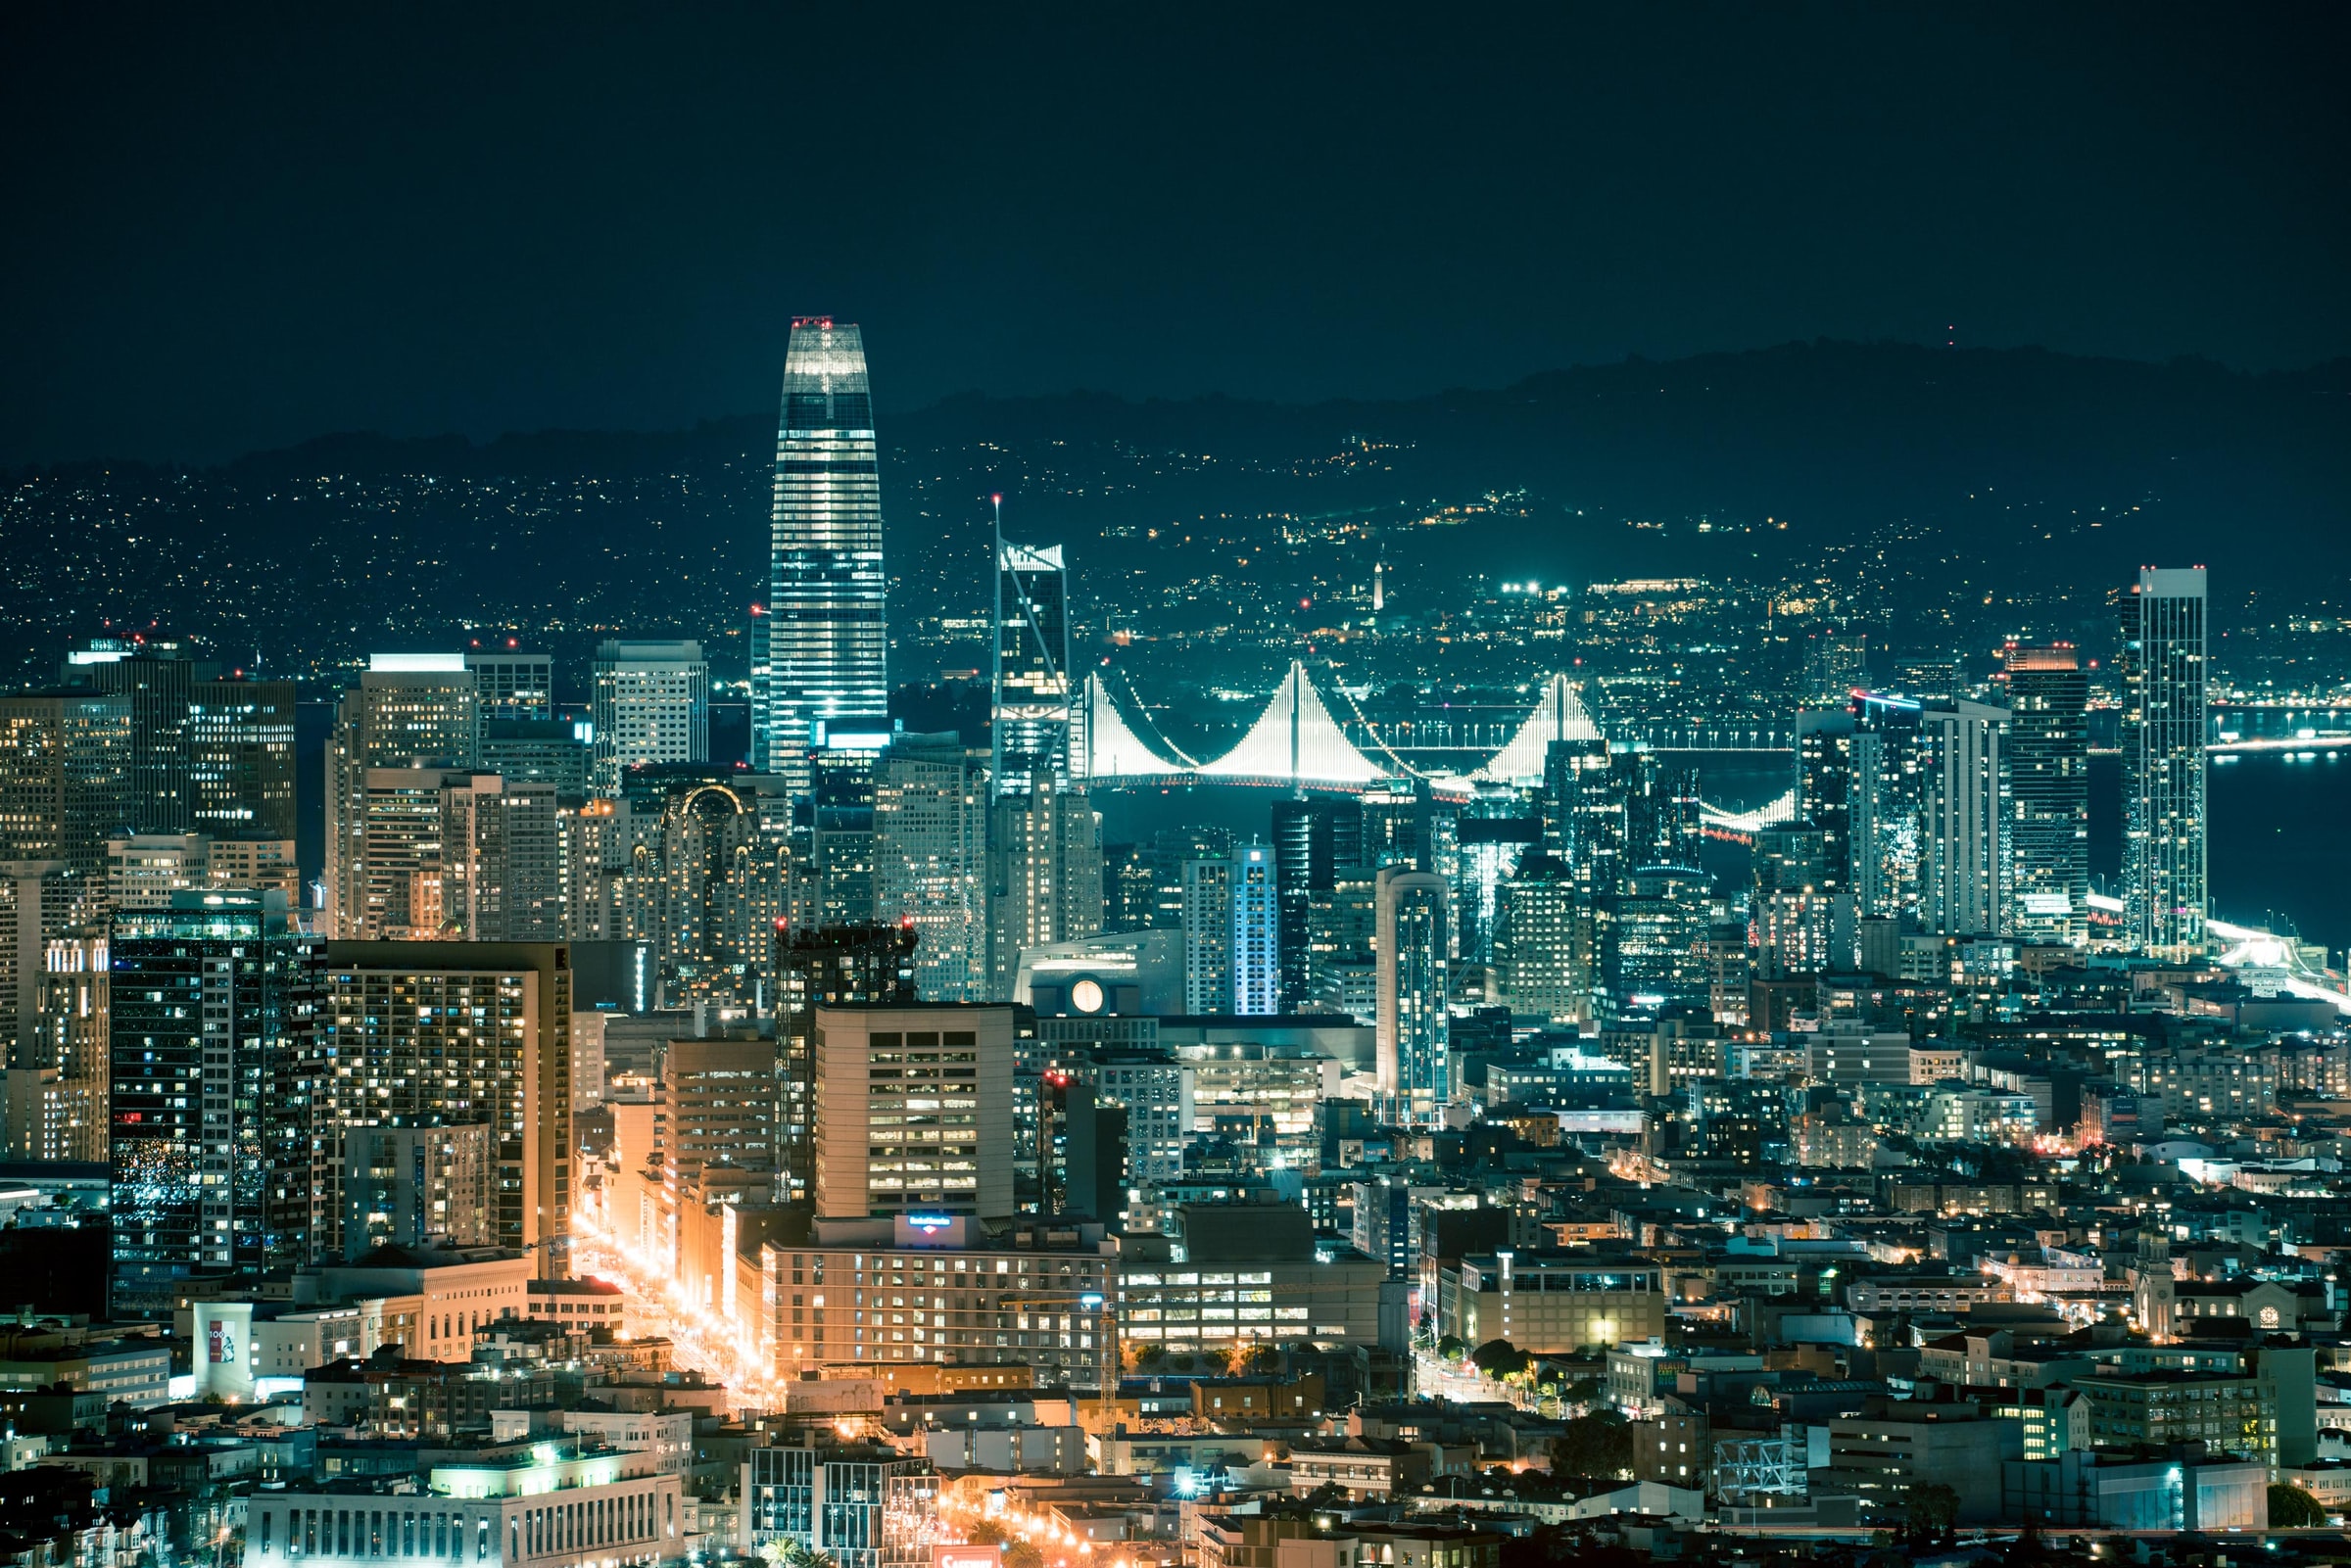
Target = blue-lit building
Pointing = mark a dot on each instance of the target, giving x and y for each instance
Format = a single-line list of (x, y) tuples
[(215, 1003), (1255, 957)]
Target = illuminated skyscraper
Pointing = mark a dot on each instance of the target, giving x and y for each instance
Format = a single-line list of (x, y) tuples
[(2163, 760), (1964, 857), (216, 1006), (1256, 968), (2048, 769), (653, 704), (1412, 1036), (827, 640), (1031, 717)]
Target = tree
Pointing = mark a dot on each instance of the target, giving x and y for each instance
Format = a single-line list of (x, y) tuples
[(1263, 1359), (1600, 1445), (1930, 1512), (1501, 1359), (1451, 1347), (2292, 1508)]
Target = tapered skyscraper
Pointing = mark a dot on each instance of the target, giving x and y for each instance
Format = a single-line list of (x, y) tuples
[(827, 640)]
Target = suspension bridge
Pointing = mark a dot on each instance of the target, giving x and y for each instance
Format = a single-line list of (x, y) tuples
[(1296, 742)]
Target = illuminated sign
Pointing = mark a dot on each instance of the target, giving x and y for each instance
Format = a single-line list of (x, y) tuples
[(930, 1224)]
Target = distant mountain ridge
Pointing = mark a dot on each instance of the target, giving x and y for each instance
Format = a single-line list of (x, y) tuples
[(1842, 436)]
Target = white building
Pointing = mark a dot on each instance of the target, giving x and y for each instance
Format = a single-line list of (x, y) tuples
[(553, 1508), (651, 703)]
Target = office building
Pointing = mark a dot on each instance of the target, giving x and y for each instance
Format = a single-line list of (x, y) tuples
[(1798, 927), (513, 685), (858, 1509), (415, 1186), (1342, 971), (214, 1018), (241, 759), (827, 645), (157, 683), (409, 712), (1156, 1091), (65, 778), (144, 870), (1130, 889), (1542, 969), (829, 966), (651, 705), (2048, 785), (2165, 674), (1550, 1305), (912, 1111), (1208, 928), (547, 751), (720, 1138), (1836, 664), (1838, 765), (415, 1032), (840, 836), (257, 862), (1030, 725), (930, 813), (1313, 841), (1964, 859), (1414, 971), (1044, 874), (69, 1042), (1660, 923), (1256, 968)]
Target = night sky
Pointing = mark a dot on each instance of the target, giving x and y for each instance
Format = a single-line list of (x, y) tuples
[(224, 233)]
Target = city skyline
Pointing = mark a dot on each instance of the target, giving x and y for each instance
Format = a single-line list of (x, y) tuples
[(1736, 958)]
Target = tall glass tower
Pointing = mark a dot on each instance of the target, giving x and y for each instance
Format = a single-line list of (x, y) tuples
[(828, 643), (2163, 761)]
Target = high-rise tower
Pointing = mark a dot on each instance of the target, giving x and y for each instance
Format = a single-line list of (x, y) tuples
[(1031, 717), (827, 640), (2049, 766), (2163, 761)]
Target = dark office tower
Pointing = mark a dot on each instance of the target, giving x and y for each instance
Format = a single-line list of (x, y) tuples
[(65, 778), (828, 642), (1836, 776), (241, 759), (1651, 808), (1171, 849), (513, 685), (545, 751), (1030, 721), (1885, 871), (831, 965), (1392, 829), (1836, 664), (157, 681), (1656, 959), (1306, 859), (2048, 772), (840, 841), (1130, 889), (2164, 675), (215, 1010)]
